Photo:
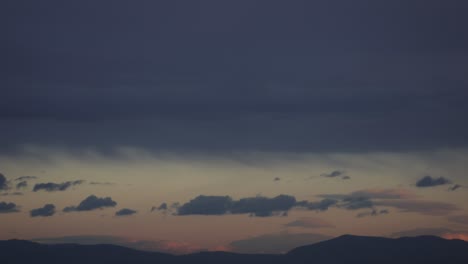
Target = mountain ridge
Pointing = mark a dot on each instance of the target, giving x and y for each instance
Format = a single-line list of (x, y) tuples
[(342, 249)]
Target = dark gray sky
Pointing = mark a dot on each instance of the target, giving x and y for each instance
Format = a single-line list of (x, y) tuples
[(222, 76)]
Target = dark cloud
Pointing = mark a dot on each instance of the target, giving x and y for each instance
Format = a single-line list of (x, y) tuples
[(125, 211), (441, 232), (53, 187), (420, 206), (373, 212), (460, 219), (275, 243), (3, 183), (263, 206), (26, 178), (91, 203), (6, 207), (45, 211), (346, 177), (277, 179), (161, 207), (310, 222), (428, 181), (455, 187), (294, 79), (101, 183), (255, 206), (322, 205), (206, 205), (21, 184), (13, 193), (333, 174)]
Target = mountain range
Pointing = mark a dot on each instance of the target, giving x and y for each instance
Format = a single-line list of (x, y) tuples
[(344, 249)]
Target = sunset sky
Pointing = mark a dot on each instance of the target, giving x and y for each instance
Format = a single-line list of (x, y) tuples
[(246, 126)]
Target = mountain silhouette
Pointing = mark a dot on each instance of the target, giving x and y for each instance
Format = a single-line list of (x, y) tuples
[(343, 249)]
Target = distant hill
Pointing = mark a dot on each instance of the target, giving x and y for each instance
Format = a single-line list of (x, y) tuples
[(343, 249)]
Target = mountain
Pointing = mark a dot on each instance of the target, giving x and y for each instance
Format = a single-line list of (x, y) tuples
[(343, 249)]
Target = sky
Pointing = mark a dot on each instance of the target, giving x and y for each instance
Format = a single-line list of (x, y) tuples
[(246, 126)]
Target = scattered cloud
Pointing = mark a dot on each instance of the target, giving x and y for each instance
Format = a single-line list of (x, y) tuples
[(322, 205), (21, 184), (429, 181), (333, 174), (125, 211), (52, 187), (26, 178), (6, 207), (101, 183), (420, 206), (91, 202), (374, 212), (455, 187), (275, 243), (440, 232), (459, 219), (255, 206), (12, 194), (162, 207), (3, 183), (46, 210), (310, 222)]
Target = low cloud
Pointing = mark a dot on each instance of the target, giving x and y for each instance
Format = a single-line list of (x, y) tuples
[(53, 187), (459, 219), (92, 202), (6, 207), (125, 211), (322, 205), (275, 243), (47, 210), (12, 194), (310, 222), (101, 183), (277, 179), (420, 206), (440, 232), (333, 174), (428, 181), (162, 207), (26, 178), (455, 187), (374, 212), (255, 206), (3, 183), (21, 184)]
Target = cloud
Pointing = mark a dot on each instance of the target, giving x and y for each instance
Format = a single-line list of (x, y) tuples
[(206, 205), (46, 210), (25, 178), (455, 187), (91, 203), (166, 246), (374, 194), (346, 177), (162, 207), (322, 205), (6, 207), (374, 212), (441, 232), (255, 206), (101, 183), (263, 206), (420, 206), (21, 184), (310, 222), (275, 243), (3, 183), (12, 194), (52, 187), (125, 211), (428, 181), (460, 219), (333, 174), (277, 179)]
